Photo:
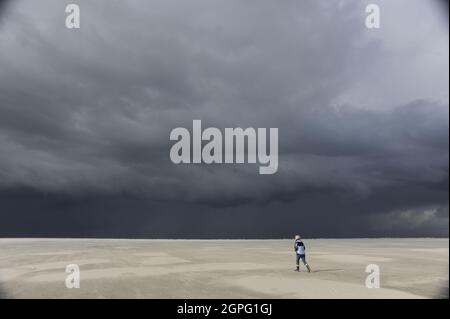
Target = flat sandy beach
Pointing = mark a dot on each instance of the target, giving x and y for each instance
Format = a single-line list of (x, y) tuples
[(117, 268)]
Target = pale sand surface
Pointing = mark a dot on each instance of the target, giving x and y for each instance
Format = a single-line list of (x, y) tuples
[(117, 268)]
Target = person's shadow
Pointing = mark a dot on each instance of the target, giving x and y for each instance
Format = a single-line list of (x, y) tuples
[(326, 270)]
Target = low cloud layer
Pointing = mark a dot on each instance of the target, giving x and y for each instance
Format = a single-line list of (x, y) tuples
[(362, 114)]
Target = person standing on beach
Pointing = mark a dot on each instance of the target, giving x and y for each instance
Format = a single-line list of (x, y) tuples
[(299, 248)]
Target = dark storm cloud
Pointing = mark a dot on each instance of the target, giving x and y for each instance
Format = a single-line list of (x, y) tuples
[(362, 114)]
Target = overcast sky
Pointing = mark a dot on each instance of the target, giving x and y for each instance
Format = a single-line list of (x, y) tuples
[(85, 118)]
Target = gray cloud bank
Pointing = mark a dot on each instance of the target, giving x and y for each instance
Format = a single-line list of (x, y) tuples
[(363, 116)]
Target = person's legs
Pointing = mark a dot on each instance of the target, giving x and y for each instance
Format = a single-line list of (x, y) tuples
[(303, 258), (297, 262)]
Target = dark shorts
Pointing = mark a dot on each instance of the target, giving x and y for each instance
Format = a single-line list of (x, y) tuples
[(302, 258)]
